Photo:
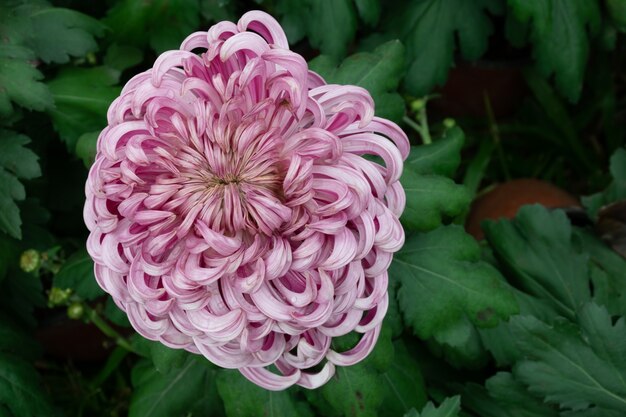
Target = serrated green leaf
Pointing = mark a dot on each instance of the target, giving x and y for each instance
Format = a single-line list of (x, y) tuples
[(16, 161), (122, 57), (537, 248), (559, 33), (393, 318), (616, 189), (450, 407), (568, 370), (331, 25), (164, 358), (379, 72), (19, 80), (52, 33), (402, 384), (443, 279), (430, 199), (607, 272), (460, 345), (500, 341), (353, 390), (86, 147), (57, 33), (442, 157), (188, 390), (429, 29), (20, 389), (515, 398), (163, 24), (430, 196), (77, 274), (242, 398), (81, 99)]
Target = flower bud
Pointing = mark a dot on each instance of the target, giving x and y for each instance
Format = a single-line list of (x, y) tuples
[(30, 260), (449, 123), (75, 311), (417, 105), (58, 296)]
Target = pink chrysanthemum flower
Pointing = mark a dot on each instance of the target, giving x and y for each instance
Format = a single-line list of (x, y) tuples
[(232, 212)]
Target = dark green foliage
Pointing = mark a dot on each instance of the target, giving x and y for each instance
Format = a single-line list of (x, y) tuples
[(528, 323)]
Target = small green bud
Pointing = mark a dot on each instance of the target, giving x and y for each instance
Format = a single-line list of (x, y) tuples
[(57, 296), (75, 311), (30, 260), (449, 123), (417, 105)]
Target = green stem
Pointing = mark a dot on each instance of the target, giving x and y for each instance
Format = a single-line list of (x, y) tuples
[(495, 134), (424, 123), (423, 132), (105, 328)]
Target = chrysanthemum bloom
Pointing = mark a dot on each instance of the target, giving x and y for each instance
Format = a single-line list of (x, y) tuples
[(233, 213)]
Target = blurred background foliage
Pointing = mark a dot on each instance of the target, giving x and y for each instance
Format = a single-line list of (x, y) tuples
[(528, 318)]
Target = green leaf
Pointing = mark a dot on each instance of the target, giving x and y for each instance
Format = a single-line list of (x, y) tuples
[(361, 389), (188, 390), (122, 57), (379, 72), (515, 398), (450, 407), (607, 272), (429, 28), (77, 274), (559, 33), (31, 30), (164, 358), (163, 24), (20, 389), (402, 385), (369, 11), (430, 196), (242, 398), (537, 248), (86, 147), (59, 33), (52, 33), (616, 189), (19, 80), (82, 97), (617, 11), (442, 157), (571, 371), (504, 397), (113, 313), (443, 279), (218, 10), (460, 344), (14, 340), (16, 161), (331, 25)]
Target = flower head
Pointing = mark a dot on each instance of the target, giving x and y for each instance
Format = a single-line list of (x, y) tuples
[(232, 211)]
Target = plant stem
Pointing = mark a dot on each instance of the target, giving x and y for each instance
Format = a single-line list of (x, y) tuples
[(105, 328), (424, 123), (495, 134), (423, 132)]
